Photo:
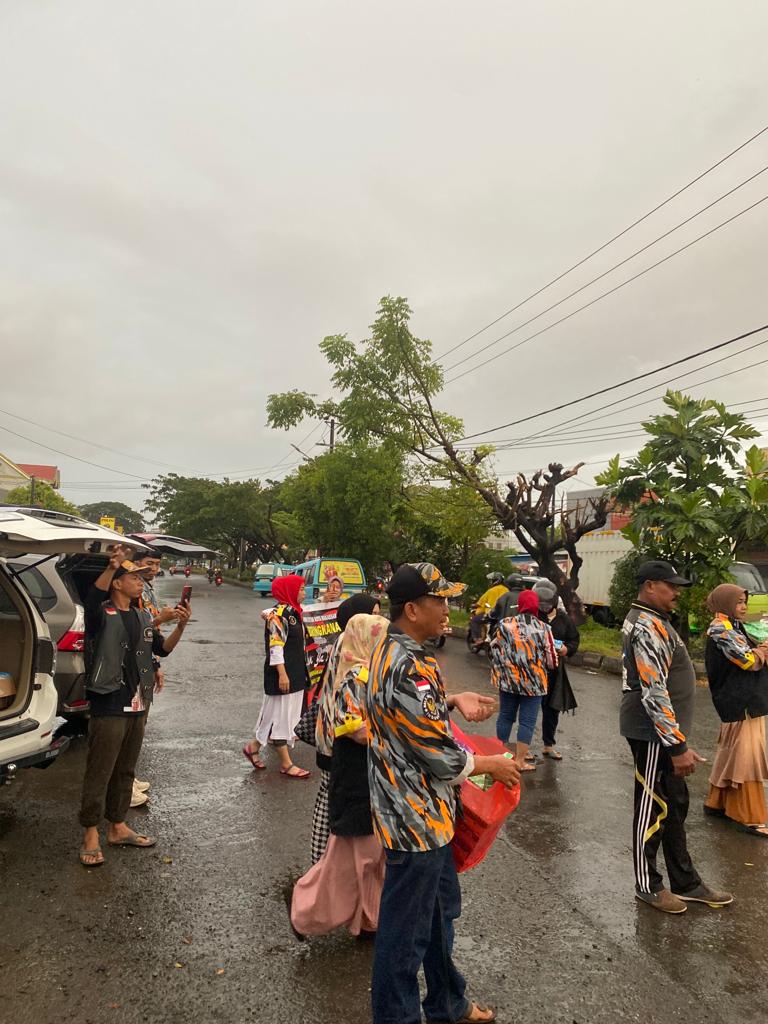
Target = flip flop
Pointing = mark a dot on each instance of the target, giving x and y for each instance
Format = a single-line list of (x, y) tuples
[(554, 754), (135, 839), (253, 758), (471, 1018), (530, 758), (527, 767), (300, 773), (92, 853), (753, 830)]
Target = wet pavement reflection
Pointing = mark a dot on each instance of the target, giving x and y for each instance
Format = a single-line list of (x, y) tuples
[(197, 928)]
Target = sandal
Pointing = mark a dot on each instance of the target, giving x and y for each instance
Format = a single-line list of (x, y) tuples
[(531, 758), (526, 768), (294, 772), (134, 839), (476, 1014), (554, 754), (754, 830), (92, 853), (254, 758)]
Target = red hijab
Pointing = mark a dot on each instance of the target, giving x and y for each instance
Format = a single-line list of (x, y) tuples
[(285, 589), (528, 601)]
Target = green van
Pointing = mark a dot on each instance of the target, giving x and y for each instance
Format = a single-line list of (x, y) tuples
[(317, 572)]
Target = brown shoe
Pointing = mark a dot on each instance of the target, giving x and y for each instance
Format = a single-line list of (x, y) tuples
[(663, 900), (703, 894)]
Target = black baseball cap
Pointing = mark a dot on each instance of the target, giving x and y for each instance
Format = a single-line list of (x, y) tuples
[(661, 571), (417, 579)]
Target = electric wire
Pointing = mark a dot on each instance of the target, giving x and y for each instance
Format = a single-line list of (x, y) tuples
[(605, 245), (605, 273), (611, 291), (615, 387)]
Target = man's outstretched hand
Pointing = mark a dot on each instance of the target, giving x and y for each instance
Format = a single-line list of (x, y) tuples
[(474, 706)]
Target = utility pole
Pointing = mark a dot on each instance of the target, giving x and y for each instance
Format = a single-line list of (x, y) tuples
[(32, 483), (330, 443)]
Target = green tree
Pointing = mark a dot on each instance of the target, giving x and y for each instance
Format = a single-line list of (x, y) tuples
[(45, 497), (125, 516), (347, 502), (236, 517), (389, 385), (693, 494)]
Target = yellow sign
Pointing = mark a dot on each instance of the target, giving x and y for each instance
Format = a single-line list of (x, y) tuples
[(120, 529), (349, 572), (108, 522)]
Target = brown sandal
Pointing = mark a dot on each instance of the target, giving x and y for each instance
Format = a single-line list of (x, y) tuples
[(471, 1016), (92, 853)]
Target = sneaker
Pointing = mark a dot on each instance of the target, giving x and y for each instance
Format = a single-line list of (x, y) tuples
[(138, 799), (663, 900), (142, 787), (703, 894)]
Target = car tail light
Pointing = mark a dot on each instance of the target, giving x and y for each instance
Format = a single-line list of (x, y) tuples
[(74, 638)]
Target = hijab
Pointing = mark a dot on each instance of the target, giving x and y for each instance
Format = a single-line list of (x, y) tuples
[(528, 601), (723, 599), (285, 589), (358, 604), (361, 637)]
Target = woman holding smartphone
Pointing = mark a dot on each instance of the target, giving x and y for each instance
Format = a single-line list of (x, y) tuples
[(285, 677)]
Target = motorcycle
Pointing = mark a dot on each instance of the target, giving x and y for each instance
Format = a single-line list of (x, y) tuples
[(211, 575), (219, 581), (482, 643), (187, 572)]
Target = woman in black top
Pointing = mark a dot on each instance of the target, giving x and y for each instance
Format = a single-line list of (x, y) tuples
[(344, 887), (285, 677), (738, 684), (559, 696)]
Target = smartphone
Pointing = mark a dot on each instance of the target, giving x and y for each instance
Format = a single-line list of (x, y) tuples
[(186, 594)]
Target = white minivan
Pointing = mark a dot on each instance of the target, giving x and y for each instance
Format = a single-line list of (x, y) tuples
[(27, 655)]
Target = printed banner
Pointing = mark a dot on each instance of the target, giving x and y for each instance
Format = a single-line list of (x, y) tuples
[(321, 629)]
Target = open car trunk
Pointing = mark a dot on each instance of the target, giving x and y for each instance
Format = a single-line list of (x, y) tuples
[(17, 652)]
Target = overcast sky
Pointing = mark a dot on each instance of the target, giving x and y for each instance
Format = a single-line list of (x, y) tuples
[(193, 194)]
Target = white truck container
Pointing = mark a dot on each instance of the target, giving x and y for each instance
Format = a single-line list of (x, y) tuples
[(600, 550)]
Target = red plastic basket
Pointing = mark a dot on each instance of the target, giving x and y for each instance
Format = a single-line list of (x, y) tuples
[(484, 811)]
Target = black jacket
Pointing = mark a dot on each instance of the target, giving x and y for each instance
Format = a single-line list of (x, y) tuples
[(349, 799), (559, 694), (295, 660), (735, 691)]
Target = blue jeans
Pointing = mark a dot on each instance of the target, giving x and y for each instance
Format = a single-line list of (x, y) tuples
[(509, 706), (419, 903)]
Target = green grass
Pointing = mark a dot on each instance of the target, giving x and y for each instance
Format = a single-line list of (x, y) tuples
[(458, 617), (600, 639)]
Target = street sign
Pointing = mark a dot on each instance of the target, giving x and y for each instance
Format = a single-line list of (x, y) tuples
[(120, 529), (108, 522)]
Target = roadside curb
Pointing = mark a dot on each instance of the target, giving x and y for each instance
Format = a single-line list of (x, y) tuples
[(591, 660)]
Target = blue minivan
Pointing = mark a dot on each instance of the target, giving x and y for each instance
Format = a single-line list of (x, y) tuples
[(317, 572), (266, 572)]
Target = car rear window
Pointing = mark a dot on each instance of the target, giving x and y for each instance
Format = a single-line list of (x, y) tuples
[(37, 586)]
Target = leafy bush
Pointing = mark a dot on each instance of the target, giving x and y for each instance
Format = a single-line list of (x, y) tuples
[(623, 589)]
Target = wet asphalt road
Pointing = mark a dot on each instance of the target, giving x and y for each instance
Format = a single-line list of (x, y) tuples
[(197, 929)]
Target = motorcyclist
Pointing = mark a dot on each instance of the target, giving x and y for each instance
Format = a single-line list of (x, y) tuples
[(506, 604), (212, 573), (484, 604)]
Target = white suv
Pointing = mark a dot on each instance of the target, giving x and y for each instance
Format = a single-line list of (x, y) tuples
[(27, 654)]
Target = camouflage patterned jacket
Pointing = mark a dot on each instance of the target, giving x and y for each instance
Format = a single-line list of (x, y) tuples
[(414, 763), (659, 681), (522, 655)]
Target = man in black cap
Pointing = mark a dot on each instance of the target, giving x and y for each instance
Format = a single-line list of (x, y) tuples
[(414, 767), (120, 643), (659, 684)]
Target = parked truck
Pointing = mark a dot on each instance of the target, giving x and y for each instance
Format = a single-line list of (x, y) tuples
[(602, 549)]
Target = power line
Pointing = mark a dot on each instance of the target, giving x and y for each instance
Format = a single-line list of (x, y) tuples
[(671, 380), (605, 245), (610, 291), (93, 444), (621, 384), (605, 273), (47, 447)]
